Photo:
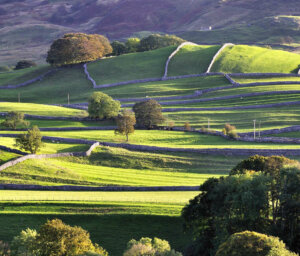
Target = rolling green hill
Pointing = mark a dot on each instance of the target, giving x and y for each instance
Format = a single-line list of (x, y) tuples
[(253, 59)]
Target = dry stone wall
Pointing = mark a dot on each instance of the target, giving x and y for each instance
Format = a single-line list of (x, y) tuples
[(29, 82)]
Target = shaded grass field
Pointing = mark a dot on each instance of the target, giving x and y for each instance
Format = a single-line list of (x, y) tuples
[(172, 139), (22, 75), (244, 80), (249, 59), (242, 101), (116, 166), (7, 156), (112, 218), (130, 66), (48, 147), (39, 109), (166, 88), (270, 118), (286, 134), (54, 88), (192, 59)]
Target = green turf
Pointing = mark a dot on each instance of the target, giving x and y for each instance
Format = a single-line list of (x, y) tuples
[(7, 156), (64, 123), (130, 66), (242, 101), (22, 75), (39, 109), (252, 89), (54, 89), (244, 80), (166, 88), (247, 59), (192, 59), (115, 166), (171, 139), (270, 118), (48, 147), (112, 218)]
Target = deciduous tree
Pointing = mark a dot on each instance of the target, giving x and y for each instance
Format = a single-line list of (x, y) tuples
[(30, 141), (15, 119), (102, 106), (125, 122), (76, 48)]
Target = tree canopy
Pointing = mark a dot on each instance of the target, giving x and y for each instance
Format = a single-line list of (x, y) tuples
[(148, 113), (262, 201), (157, 41), (125, 123), (102, 106), (253, 244), (15, 119), (76, 48), (30, 141), (25, 64)]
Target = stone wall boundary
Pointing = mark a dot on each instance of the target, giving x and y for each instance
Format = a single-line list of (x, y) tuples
[(42, 156), (173, 54), (29, 82), (217, 55)]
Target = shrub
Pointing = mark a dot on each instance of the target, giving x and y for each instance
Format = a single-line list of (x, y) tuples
[(25, 64), (132, 44), (30, 141), (187, 127), (4, 249), (102, 106), (148, 114), (253, 244), (230, 131), (24, 243), (15, 119), (149, 247), (76, 48), (4, 69), (55, 238)]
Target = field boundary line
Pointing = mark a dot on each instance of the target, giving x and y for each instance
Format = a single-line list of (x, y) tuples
[(34, 156), (173, 54), (29, 82), (217, 55)]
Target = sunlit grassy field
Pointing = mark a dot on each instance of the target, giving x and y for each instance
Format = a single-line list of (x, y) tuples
[(130, 66), (192, 59), (39, 109), (249, 59)]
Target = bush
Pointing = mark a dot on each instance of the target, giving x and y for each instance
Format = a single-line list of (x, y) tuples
[(253, 244), (157, 41), (187, 127), (76, 48), (55, 238), (149, 247), (230, 131), (30, 141), (24, 243), (4, 249), (102, 106), (148, 114), (132, 44), (25, 64), (4, 68)]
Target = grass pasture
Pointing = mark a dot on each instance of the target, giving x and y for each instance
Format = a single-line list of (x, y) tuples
[(7, 156), (111, 218), (121, 167), (130, 66), (253, 59), (39, 109), (192, 59), (22, 75)]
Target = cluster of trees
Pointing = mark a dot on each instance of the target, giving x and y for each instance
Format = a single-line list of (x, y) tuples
[(25, 64), (261, 194), (146, 114), (74, 48), (56, 238), (30, 141), (148, 43)]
